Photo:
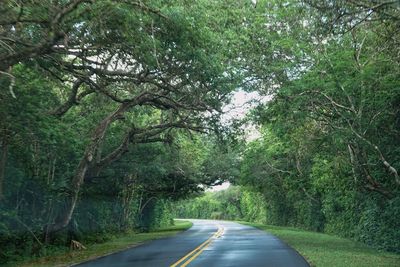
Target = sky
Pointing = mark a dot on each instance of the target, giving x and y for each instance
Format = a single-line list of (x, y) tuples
[(221, 187), (241, 103)]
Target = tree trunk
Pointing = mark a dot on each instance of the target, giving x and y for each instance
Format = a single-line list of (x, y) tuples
[(127, 193), (64, 218), (147, 213), (3, 161)]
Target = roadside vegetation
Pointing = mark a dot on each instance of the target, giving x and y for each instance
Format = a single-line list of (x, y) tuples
[(115, 115), (327, 155)]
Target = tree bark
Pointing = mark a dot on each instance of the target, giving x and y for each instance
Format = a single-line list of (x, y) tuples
[(3, 162), (77, 180)]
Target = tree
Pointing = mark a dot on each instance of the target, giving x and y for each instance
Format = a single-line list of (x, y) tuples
[(112, 76)]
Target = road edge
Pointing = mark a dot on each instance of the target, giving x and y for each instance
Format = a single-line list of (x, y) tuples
[(287, 244)]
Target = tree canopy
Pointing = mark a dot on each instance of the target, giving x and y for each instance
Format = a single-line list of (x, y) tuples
[(111, 117)]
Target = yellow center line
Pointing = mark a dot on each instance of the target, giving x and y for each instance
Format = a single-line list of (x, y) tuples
[(192, 252), (197, 251)]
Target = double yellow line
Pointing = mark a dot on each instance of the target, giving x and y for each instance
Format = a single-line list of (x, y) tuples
[(188, 258)]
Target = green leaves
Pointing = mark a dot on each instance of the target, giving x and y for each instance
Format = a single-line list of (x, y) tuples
[(334, 106)]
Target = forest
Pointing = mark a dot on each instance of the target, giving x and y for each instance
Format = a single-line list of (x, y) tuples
[(113, 118)]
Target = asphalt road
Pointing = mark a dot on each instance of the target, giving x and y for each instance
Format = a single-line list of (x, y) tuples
[(208, 243)]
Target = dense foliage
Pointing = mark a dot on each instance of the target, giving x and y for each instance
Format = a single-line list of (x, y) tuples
[(234, 203), (328, 156), (110, 112), (102, 106)]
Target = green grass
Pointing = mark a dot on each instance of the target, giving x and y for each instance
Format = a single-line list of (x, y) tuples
[(67, 257), (323, 250)]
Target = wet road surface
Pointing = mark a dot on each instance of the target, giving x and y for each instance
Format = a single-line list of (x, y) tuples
[(208, 243)]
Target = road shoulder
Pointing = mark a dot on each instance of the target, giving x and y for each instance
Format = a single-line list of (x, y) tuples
[(330, 251)]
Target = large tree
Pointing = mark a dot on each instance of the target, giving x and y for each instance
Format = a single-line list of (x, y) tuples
[(120, 60)]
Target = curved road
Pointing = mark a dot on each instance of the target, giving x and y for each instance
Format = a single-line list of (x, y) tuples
[(208, 243)]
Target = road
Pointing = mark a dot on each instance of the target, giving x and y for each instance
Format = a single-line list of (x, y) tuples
[(208, 243)]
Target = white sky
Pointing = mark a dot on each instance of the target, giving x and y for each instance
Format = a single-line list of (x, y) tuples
[(221, 187), (240, 105)]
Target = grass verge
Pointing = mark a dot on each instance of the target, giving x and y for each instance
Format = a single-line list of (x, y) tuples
[(323, 250), (67, 257)]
